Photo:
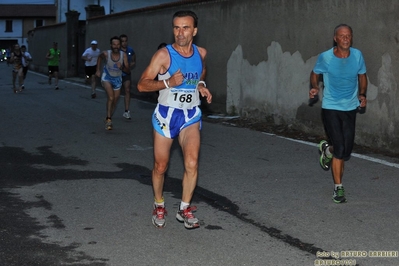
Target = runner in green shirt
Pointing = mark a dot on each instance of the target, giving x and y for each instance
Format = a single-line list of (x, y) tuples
[(54, 57)]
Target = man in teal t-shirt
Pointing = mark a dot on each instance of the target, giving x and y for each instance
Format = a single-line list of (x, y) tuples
[(345, 86)]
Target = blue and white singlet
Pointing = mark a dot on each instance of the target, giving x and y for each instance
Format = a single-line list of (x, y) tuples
[(177, 107), (112, 73)]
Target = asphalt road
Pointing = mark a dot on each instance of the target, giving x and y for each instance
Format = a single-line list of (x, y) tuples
[(72, 193)]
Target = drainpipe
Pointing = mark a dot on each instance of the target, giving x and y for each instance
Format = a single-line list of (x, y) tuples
[(59, 10)]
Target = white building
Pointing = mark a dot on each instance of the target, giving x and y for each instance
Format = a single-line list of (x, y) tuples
[(17, 19)]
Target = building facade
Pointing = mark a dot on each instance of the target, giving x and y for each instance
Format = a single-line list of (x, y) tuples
[(17, 20), (108, 6)]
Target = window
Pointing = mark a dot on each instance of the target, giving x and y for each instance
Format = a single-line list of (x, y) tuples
[(39, 23), (8, 25)]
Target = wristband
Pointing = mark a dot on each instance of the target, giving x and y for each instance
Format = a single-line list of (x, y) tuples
[(363, 94), (166, 85), (201, 82)]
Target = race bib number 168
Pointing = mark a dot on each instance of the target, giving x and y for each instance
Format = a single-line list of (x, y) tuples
[(183, 99)]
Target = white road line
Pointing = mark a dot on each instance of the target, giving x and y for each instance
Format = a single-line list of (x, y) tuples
[(69, 82), (364, 157)]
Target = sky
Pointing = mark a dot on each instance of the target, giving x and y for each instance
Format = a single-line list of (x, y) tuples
[(33, 2)]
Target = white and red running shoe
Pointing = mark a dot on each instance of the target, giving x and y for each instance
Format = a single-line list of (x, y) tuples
[(186, 215), (158, 216)]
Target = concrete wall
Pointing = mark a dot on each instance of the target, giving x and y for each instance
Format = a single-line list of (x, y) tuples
[(70, 37), (261, 53), (41, 40)]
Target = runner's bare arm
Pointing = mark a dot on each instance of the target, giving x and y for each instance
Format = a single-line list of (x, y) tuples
[(362, 89), (159, 64), (100, 58), (204, 91), (125, 67), (314, 82)]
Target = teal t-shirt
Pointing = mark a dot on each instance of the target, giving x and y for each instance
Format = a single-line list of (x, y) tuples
[(340, 76)]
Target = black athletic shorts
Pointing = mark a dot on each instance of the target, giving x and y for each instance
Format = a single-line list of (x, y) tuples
[(25, 71), (52, 69), (90, 71), (126, 78), (340, 129)]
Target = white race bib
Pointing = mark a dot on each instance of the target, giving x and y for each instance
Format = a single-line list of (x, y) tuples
[(183, 98)]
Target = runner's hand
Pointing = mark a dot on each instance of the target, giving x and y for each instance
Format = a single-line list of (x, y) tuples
[(176, 79)]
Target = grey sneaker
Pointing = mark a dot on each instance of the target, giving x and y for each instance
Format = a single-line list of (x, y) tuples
[(158, 216), (339, 195), (126, 115), (325, 161), (108, 124), (186, 216)]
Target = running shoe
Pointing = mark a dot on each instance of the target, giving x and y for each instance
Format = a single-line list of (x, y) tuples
[(93, 95), (325, 161), (56, 88), (108, 124), (186, 215), (126, 115), (339, 195), (158, 216), (23, 87)]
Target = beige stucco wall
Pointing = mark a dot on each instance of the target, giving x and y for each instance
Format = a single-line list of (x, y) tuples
[(261, 53)]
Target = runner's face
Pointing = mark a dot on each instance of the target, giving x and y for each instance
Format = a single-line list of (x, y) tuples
[(124, 42), (183, 30), (343, 38), (115, 46)]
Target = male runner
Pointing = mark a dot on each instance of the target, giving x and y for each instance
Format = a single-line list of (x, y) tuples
[(90, 56), (181, 71), (54, 57), (126, 78), (111, 78), (345, 85)]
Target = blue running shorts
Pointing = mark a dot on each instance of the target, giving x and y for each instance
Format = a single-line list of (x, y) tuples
[(116, 82), (169, 121)]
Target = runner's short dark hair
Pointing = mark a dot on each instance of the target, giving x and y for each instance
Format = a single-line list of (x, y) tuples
[(186, 13), (114, 38)]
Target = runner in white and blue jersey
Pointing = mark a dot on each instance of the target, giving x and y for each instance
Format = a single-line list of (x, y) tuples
[(180, 68), (111, 78)]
